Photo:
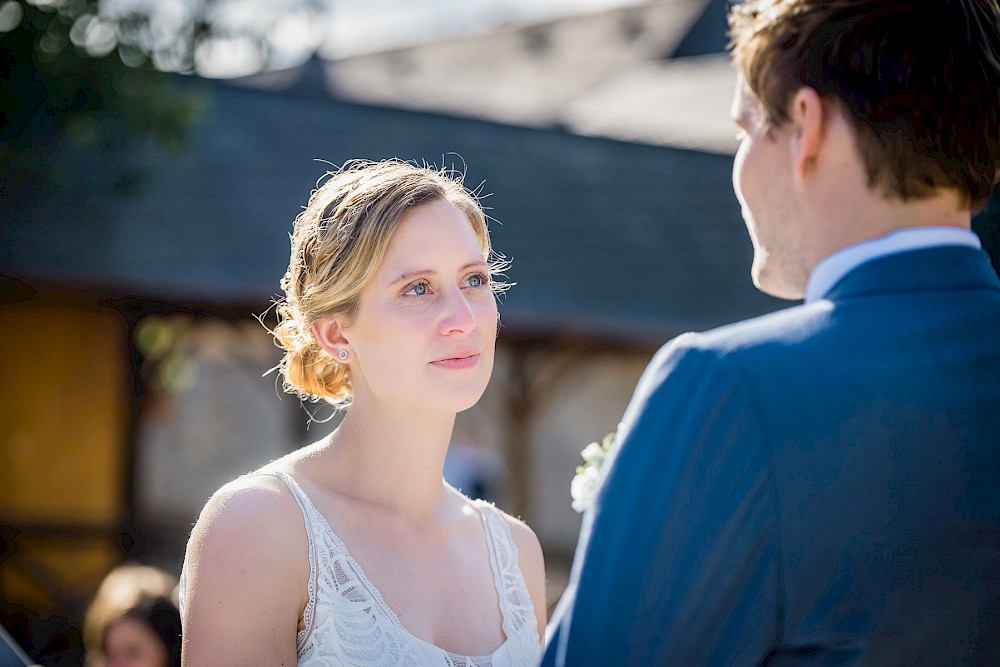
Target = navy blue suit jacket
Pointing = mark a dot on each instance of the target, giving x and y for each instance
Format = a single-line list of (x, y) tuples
[(818, 486)]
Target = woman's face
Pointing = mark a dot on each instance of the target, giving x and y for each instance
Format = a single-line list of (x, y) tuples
[(425, 330), (130, 643)]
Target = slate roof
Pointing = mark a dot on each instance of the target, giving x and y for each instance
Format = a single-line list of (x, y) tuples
[(604, 235)]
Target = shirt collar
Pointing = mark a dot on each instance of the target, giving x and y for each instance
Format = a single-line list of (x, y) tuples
[(834, 267)]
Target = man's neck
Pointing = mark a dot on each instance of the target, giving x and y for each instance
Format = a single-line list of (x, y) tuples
[(871, 215)]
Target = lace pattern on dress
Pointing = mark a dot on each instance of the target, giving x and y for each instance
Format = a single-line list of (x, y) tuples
[(515, 603), (346, 621)]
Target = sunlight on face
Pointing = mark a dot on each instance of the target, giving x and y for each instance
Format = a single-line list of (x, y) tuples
[(425, 331)]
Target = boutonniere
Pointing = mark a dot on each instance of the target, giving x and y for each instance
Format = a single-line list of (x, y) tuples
[(589, 476)]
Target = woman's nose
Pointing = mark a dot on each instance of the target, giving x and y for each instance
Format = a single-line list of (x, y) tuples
[(459, 315)]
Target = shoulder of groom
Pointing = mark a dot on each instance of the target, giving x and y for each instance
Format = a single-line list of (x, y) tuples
[(782, 326)]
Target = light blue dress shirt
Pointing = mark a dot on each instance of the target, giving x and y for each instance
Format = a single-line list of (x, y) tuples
[(834, 267)]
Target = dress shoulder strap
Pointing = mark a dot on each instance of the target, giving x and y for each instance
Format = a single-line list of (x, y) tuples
[(519, 622), (309, 513)]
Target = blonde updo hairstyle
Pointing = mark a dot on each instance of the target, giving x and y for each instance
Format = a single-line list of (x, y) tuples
[(338, 244)]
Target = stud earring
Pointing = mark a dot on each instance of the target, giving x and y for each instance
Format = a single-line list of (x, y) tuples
[(342, 355)]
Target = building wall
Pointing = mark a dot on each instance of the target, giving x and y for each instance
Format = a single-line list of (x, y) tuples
[(63, 417), (583, 404), (216, 416)]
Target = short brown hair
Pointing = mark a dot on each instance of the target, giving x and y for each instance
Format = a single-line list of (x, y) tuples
[(919, 81)]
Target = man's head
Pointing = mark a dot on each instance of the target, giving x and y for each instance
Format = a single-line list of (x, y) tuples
[(860, 117), (918, 82)]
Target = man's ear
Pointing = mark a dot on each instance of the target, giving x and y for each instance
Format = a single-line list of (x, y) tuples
[(808, 118), (329, 335)]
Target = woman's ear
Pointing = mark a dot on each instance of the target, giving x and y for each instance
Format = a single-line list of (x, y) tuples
[(330, 337)]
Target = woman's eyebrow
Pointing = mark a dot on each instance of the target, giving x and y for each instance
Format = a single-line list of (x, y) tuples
[(409, 275)]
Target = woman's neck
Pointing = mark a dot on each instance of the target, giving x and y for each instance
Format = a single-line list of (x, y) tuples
[(390, 458)]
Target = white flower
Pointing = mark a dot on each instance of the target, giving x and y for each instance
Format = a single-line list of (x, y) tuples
[(584, 487), (589, 476), (593, 454)]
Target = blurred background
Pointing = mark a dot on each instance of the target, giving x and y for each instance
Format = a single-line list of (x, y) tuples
[(154, 154)]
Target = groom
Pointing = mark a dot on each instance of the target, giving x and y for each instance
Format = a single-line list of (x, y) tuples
[(821, 486)]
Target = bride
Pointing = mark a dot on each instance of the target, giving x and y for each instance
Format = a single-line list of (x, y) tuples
[(353, 550)]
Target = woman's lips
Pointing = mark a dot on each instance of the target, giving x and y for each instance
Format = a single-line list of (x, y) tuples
[(458, 362)]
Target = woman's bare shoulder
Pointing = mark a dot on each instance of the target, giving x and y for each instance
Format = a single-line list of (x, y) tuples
[(252, 499), (247, 569), (253, 521)]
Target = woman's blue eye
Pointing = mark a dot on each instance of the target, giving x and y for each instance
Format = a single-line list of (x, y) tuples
[(418, 289), (477, 280)]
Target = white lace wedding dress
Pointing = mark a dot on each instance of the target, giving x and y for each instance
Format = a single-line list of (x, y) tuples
[(346, 621)]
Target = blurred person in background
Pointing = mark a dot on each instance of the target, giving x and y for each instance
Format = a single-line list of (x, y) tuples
[(354, 550), (133, 620), (473, 465), (819, 486)]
